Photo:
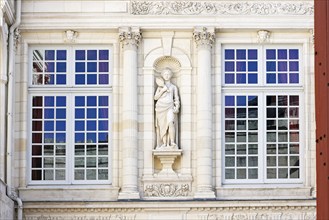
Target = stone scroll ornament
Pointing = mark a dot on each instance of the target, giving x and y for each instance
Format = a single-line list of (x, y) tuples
[(166, 109)]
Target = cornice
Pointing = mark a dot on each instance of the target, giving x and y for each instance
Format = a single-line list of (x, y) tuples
[(221, 8)]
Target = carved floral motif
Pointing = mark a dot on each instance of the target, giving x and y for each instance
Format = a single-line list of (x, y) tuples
[(221, 8), (167, 190)]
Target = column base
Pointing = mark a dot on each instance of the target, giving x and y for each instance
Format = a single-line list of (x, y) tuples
[(206, 194), (129, 196)]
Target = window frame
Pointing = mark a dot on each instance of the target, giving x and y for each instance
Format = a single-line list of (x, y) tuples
[(70, 91), (262, 89)]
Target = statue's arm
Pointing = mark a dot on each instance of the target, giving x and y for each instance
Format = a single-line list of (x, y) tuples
[(176, 100)]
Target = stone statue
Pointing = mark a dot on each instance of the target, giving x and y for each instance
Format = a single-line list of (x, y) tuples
[(166, 109)]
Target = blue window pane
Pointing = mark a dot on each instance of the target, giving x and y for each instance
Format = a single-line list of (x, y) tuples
[(91, 125), (79, 138), (92, 54), (80, 55), (241, 66), (293, 54), (252, 66), (61, 101), (49, 138), (50, 67), (61, 67), (103, 54), (241, 78), (79, 101), (103, 79), (49, 113), (60, 138), (103, 137), (103, 125), (282, 54), (241, 101), (229, 66), (229, 78), (49, 79), (103, 113), (252, 101), (271, 78), (49, 125), (80, 67), (252, 54), (61, 113), (91, 137), (79, 113), (103, 67), (282, 78), (49, 101), (241, 54), (79, 125), (293, 66), (103, 101), (252, 78), (294, 78), (229, 54), (91, 113), (91, 67), (61, 79), (270, 54), (229, 100), (79, 79), (60, 125), (91, 101), (61, 54), (91, 79), (270, 66), (282, 66), (49, 55)]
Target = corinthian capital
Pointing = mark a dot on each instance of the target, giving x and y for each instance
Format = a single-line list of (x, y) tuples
[(130, 37), (204, 37)]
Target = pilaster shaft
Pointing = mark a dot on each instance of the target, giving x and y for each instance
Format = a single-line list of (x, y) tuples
[(130, 40), (204, 39)]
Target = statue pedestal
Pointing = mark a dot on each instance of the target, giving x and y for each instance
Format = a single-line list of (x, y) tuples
[(167, 184), (167, 159)]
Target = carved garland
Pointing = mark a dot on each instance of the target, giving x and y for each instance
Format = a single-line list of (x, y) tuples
[(167, 190), (221, 8)]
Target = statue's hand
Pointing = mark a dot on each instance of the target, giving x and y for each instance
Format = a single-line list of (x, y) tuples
[(175, 109), (164, 89)]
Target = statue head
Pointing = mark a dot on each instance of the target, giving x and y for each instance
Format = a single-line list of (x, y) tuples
[(166, 74)]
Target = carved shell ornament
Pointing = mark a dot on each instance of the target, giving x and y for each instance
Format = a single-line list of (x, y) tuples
[(167, 62)]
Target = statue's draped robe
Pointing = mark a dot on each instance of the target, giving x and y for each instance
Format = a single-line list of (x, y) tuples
[(164, 109)]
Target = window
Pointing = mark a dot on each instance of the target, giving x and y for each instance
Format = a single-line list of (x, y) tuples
[(262, 96), (70, 99)]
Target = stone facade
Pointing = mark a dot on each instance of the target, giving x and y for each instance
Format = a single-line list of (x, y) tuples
[(144, 37)]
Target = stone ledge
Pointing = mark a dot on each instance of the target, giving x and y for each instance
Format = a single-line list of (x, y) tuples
[(106, 193), (245, 193)]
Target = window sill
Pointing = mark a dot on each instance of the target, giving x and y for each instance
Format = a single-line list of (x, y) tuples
[(69, 193)]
